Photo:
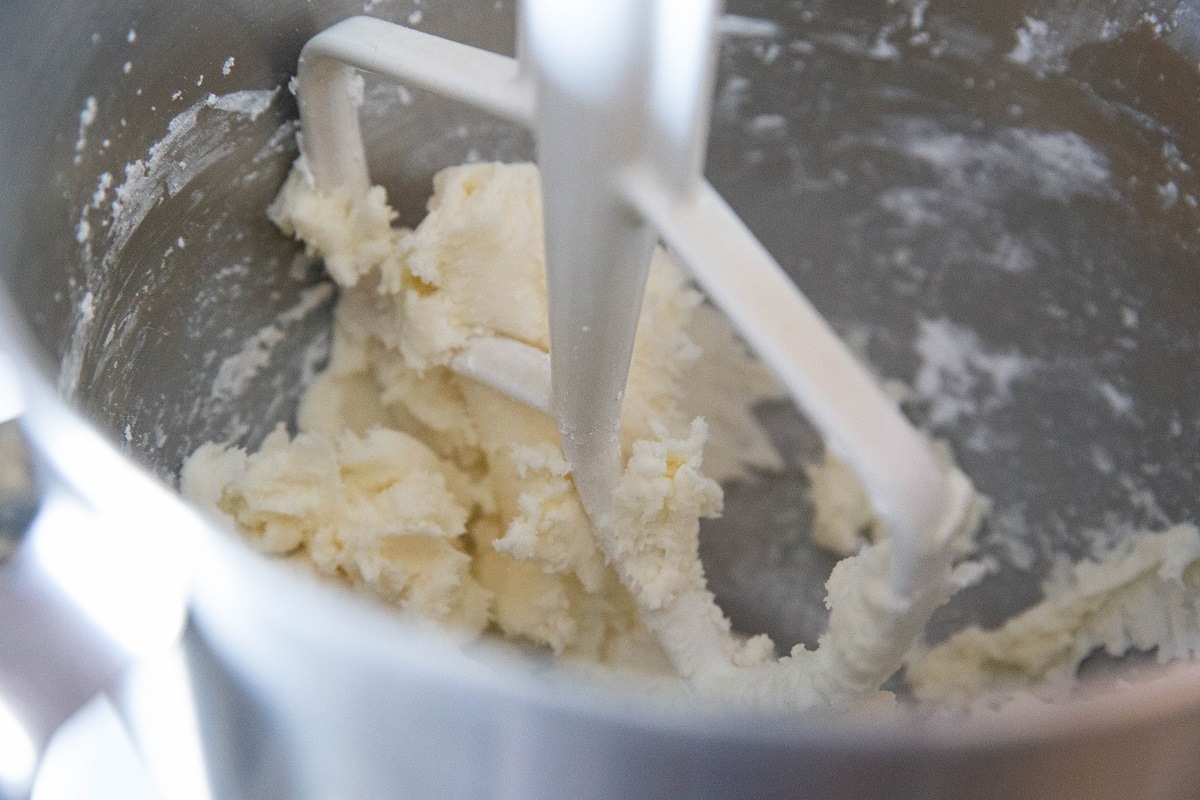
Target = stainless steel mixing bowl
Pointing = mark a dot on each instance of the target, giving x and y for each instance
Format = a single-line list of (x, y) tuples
[(995, 202)]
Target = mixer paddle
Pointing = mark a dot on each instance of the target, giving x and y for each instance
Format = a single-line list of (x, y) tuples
[(618, 94)]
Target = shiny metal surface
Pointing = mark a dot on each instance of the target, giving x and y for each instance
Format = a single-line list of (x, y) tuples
[(1004, 218), (18, 488)]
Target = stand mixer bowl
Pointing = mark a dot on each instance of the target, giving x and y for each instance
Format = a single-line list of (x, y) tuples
[(994, 205)]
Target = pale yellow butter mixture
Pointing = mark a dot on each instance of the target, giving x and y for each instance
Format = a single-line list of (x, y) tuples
[(443, 496), (452, 501)]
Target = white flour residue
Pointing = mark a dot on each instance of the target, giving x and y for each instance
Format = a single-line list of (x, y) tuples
[(1143, 499), (767, 124), (238, 370), (1159, 25), (853, 45), (1120, 403), (1102, 460), (87, 116), (1032, 38), (1045, 44), (1168, 194), (280, 142), (1173, 157), (974, 178), (189, 149), (87, 307), (1058, 166), (960, 376), (882, 49), (749, 27), (103, 184), (916, 11), (172, 162), (73, 360), (1007, 532), (905, 26), (180, 156), (731, 97), (249, 102)]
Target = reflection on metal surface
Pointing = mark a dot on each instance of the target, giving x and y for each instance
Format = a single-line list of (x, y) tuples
[(157, 703), (18, 755), (112, 578), (92, 758)]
